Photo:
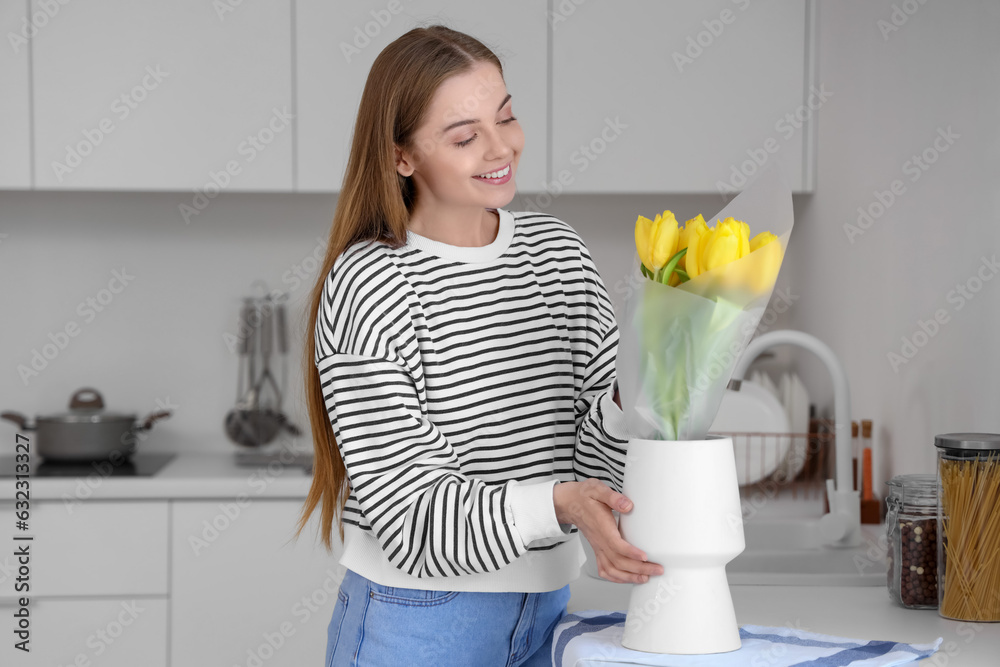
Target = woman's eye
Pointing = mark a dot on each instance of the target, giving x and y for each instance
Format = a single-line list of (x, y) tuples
[(469, 140)]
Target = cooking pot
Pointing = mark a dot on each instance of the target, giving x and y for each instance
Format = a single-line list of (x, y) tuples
[(86, 432)]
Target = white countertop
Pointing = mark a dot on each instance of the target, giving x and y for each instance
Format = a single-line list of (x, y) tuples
[(186, 476), (860, 612)]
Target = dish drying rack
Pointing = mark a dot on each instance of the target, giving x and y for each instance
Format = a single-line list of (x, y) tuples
[(781, 453), (840, 526)]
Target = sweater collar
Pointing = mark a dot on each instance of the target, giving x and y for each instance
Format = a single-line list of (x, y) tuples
[(486, 253)]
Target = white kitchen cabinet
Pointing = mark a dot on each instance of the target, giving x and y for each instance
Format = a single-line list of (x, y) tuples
[(693, 96), (111, 633), (184, 95), (15, 111), (336, 44), (92, 548), (97, 577), (243, 591)]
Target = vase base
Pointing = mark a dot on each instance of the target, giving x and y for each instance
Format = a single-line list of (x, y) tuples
[(686, 611)]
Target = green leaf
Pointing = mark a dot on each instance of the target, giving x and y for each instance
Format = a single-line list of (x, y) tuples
[(682, 274), (671, 266), (645, 271)]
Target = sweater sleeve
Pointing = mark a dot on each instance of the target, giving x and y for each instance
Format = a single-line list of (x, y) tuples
[(602, 433), (429, 518)]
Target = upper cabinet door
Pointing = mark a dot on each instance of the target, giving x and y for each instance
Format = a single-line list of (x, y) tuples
[(180, 95), (15, 111), (693, 96), (337, 43)]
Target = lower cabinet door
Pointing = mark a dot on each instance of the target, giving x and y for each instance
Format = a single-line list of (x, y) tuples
[(243, 592), (124, 632)]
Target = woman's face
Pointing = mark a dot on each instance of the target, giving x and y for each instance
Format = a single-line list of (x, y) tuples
[(470, 130)]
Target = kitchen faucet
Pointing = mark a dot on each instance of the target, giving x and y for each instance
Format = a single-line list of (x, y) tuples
[(841, 527)]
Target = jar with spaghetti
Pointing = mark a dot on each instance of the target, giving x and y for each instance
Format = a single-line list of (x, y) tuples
[(968, 519), (911, 532)]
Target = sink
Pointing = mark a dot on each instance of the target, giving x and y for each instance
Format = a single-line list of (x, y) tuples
[(790, 553), (813, 567)]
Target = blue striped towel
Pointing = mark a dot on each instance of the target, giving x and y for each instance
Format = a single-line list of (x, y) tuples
[(594, 638)]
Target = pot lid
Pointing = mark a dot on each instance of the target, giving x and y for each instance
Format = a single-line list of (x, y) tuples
[(87, 416), (87, 406)]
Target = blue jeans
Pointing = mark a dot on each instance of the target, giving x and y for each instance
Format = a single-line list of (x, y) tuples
[(381, 625)]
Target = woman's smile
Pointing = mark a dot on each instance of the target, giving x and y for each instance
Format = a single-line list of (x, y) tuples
[(497, 177)]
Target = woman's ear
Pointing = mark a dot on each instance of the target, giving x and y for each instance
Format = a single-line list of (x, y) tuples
[(403, 163)]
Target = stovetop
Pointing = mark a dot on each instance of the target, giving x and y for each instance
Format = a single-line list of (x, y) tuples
[(139, 465)]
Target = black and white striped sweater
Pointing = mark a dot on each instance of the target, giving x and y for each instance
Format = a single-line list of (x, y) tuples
[(462, 383)]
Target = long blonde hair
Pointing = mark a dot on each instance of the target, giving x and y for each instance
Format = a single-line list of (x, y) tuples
[(375, 203)]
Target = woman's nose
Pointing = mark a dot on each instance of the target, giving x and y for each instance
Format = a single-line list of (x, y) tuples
[(497, 145)]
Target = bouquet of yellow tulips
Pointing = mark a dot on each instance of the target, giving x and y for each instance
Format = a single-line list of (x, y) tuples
[(699, 295)]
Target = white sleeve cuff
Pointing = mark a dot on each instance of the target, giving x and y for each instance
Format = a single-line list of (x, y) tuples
[(614, 419), (534, 511)]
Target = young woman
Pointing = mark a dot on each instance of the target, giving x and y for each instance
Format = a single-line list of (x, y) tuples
[(460, 370)]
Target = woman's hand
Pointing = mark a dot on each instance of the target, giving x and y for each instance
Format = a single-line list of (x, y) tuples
[(588, 506)]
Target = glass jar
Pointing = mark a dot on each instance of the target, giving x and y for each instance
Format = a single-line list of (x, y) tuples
[(968, 519), (911, 533)]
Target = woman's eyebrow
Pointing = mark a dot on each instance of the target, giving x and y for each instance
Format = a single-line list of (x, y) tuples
[(474, 120)]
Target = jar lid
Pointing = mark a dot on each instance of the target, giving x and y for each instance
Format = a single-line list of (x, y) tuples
[(917, 489), (967, 441), (918, 479)]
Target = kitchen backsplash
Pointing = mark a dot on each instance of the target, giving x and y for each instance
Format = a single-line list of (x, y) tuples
[(118, 292)]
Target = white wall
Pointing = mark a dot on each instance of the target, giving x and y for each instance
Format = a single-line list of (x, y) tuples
[(891, 95), (162, 337)]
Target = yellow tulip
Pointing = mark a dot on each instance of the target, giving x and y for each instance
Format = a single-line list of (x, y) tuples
[(664, 239), (770, 261), (697, 242), (721, 247), (744, 238), (762, 239), (643, 230), (658, 240), (685, 232)]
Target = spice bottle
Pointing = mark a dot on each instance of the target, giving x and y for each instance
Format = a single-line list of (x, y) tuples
[(969, 526), (871, 508), (911, 532)]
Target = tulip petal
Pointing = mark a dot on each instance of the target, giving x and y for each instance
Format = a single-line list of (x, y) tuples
[(696, 244), (761, 239), (723, 247), (665, 235), (643, 228)]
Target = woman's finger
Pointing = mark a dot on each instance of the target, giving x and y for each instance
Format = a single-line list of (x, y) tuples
[(615, 500), (605, 494), (627, 549), (611, 572), (632, 566)]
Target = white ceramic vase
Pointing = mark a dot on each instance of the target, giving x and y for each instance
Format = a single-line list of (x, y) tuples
[(686, 517)]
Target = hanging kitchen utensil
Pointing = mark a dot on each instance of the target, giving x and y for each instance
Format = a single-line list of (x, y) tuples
[(273, 399), (281, 331), (243, 425), (281, 328), (265, 418), (257, 417), (235, 422)]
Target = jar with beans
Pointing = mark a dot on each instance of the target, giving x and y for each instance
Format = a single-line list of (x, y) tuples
[(911, 532)]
